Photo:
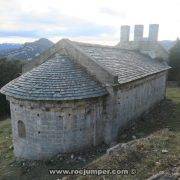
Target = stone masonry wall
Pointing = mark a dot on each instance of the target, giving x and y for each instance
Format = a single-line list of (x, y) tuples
[(59, 127), (134, 99), (53, 128), (129, 101)]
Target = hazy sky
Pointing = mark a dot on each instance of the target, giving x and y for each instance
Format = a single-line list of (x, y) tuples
[(96, 21)]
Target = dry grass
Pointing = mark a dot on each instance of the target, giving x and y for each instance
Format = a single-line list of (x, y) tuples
[(145, 155)]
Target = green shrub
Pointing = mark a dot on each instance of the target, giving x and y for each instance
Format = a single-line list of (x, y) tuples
[(174, 74), (9, 70)]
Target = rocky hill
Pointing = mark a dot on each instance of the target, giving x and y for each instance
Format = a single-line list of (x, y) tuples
[(167, 44), (28, 51), (7, 47)]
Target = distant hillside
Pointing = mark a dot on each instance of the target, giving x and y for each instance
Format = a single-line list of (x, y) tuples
[(167, 44), (30, 50), (7, 47)]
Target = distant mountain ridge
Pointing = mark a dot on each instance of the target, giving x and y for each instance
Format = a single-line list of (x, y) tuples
[(30, 50), (7, 47), (167, 44), (26, 51)]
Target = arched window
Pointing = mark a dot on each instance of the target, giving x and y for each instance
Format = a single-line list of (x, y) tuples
[(21, 129)]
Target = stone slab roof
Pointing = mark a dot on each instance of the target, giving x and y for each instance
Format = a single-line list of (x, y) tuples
[(128, 65), (71, 70), (56, 79)]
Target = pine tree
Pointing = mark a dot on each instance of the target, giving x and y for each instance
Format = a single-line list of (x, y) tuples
[(9, 70), (174, 57)]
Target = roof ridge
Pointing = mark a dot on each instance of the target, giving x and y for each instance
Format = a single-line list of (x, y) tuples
[(92, 44), (101, 45), (80, 49), (39, 59), (112, 47), (107, 77)]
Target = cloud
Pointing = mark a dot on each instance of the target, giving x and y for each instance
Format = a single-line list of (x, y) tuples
[(49, 25), (85, 19), (88, 31), (20, 33), (111, 12)]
